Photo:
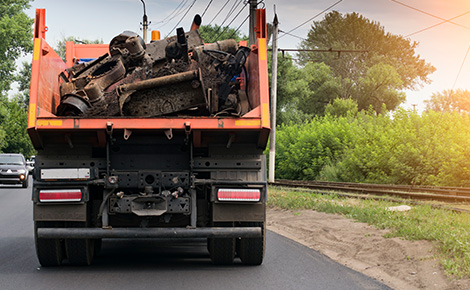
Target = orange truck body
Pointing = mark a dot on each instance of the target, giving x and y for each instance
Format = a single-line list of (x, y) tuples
[(146, 177)]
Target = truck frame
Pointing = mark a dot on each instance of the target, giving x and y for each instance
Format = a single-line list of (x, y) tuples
[(132, 177)]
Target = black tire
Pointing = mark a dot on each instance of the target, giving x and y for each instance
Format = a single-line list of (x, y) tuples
[(80, 252), (97, 246), (25, 183), (222, 251), (251, 250), (49, 251)]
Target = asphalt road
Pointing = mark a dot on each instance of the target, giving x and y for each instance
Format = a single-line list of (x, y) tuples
[(161, 264)]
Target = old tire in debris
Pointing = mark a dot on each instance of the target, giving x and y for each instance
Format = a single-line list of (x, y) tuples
[(79, 252), (251, 250), (48, 251), (222, 250)]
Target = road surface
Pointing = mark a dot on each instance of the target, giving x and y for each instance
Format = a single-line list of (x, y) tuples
[(150, 264)]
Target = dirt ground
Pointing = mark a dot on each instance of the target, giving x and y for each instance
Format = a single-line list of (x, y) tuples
[(396, 262)]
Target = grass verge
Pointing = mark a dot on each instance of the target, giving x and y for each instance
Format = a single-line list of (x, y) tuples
[(449, 230)]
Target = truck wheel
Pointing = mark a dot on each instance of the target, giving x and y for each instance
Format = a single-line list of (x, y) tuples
[(97, 246), (222, 251), (79, 251), (48, 251), (251, 250), (25, 183)]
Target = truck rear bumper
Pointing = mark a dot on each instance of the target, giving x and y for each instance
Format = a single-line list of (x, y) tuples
[(114, 233)]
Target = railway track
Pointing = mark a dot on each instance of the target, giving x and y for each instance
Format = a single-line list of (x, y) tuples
[(371, 191)]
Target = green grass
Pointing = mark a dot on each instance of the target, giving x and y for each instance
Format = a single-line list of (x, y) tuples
[(450, 231)]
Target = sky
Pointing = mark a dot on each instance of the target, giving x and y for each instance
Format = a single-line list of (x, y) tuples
[(445, 46)]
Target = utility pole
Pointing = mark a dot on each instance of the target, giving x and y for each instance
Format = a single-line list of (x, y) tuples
[(145, 23), (272, 138), (252, 34)]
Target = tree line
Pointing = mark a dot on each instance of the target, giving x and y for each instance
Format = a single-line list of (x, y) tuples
[(399, 147), (16, 40), (336, 112)]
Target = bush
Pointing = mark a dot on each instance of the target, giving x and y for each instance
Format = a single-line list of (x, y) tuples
[(398, 148)]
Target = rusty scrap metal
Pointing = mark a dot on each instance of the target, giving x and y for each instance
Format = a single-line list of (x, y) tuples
[(177, 75), (161, 81), (143, 99)]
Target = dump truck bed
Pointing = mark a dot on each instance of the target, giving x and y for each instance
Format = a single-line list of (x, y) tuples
[(44, 124)]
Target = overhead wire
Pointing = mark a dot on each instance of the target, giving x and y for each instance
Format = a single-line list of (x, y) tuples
[(186, 13), (225, 29), (302, 24), (246, 19), (293, 35), (427, 13), (238, 28), (461, 66), (207, 7), (440, 23), (230, 12), (177, 11), (218, 13), (443, 21)]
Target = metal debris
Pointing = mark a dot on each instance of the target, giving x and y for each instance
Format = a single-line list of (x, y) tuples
[(174, 76)]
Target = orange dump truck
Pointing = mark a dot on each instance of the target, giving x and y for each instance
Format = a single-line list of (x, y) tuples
[(149, 140)]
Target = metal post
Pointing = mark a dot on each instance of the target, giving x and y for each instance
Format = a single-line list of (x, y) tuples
[(252, 34), (145, 23), (272, 138)]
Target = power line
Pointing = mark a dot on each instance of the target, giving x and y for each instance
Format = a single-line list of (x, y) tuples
[(218, 13), (176, 12), (311, 18), (293, 35), (461, 66), (230, 12), (225, 29), (207, 7), (447, 21), (186, 13), (427, 13), (238, 28)]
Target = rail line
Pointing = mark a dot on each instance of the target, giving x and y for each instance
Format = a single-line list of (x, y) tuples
[(368, 191)]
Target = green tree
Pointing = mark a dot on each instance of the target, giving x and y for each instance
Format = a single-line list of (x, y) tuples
[(288, 75), (379, 87), (23, 78), (316, 88), (384, 52), (342, 108), (212, 33), (449, 101), (16, 121), (15, 39)]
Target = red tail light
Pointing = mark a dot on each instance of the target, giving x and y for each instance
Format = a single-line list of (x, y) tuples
[(60, 195), (239, 194)]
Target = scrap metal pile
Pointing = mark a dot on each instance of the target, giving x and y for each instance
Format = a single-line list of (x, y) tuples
[(174, 76)]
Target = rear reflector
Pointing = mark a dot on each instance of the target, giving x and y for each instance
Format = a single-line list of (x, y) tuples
[(239, 194), (64, 195)]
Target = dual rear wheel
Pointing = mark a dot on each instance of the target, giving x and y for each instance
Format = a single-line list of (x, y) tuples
[(250, 250), (52, 252)]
